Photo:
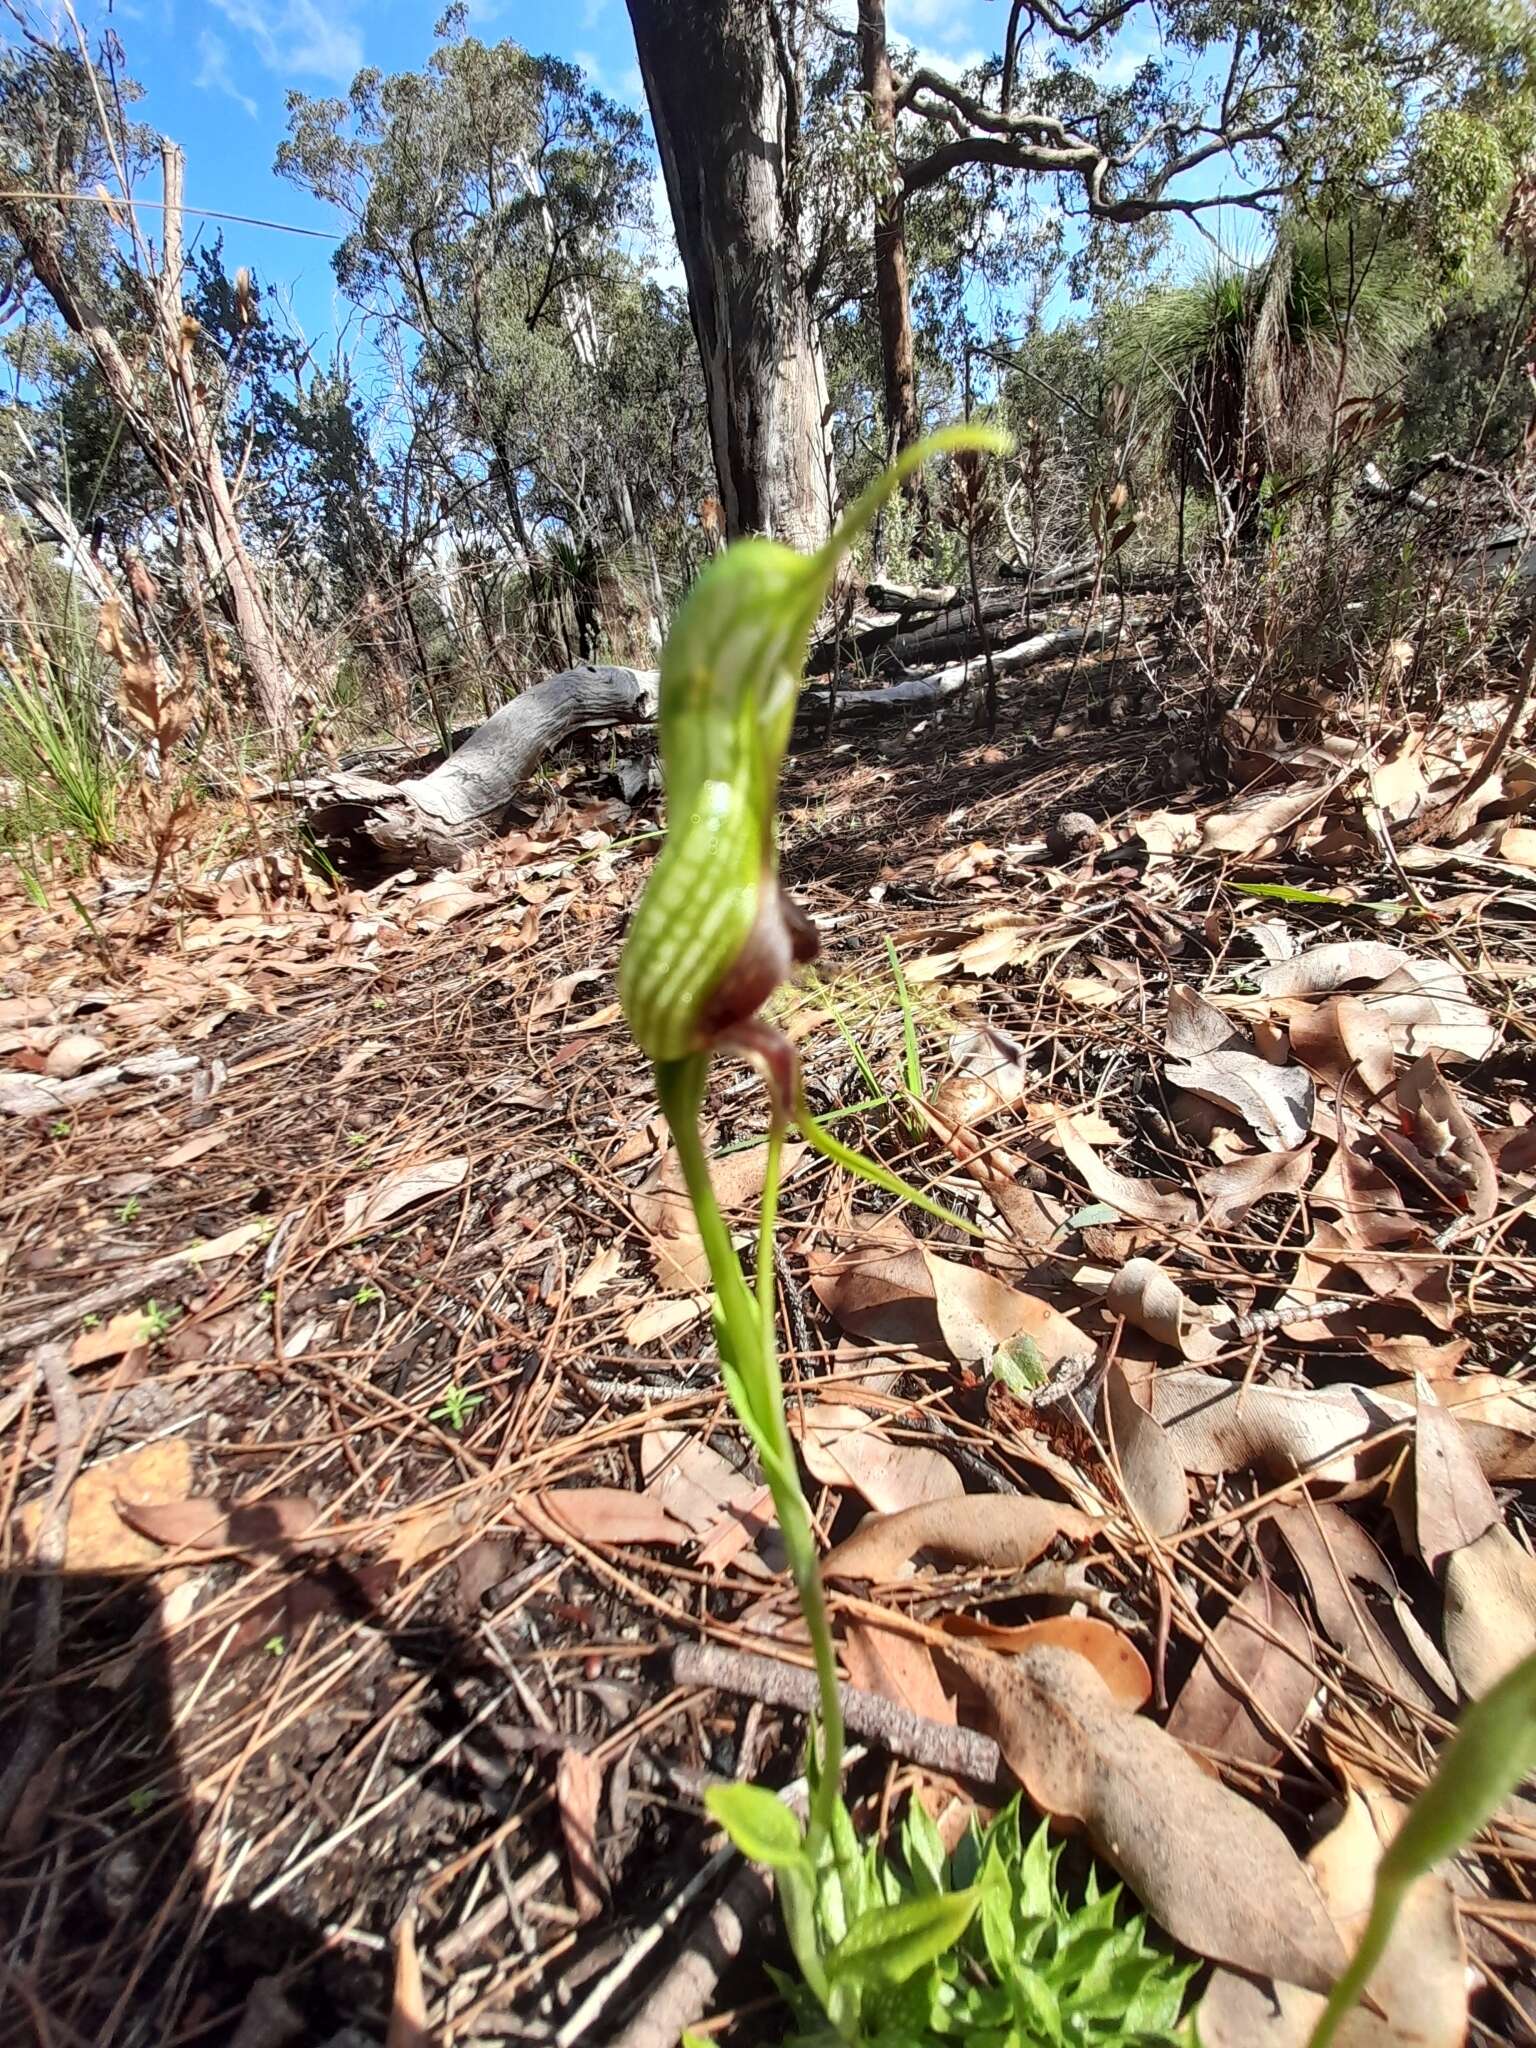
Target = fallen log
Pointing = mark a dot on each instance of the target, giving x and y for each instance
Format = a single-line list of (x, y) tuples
[(924, 693), (432, 821)]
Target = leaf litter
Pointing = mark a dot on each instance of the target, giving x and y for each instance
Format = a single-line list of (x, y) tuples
[(391, 1330)]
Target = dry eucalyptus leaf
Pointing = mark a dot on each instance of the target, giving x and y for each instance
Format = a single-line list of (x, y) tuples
[(1257, 823), (120, 1333), (897, 1667), (1345, 1043), (1337, 1558), (99, 1539), (977, 1312), (665, 1317), (598, 1273), (1419, 1989), (693, 1481), (1449, 1142), (1211, 1868), (1253, 1684), (1150, 1472), (1216, 1426), (1209, 1055), (366, 1208), (601, 1514), (664, 1212), (974, 1529), (1453, 1502), (1321, 970), (847, 1447), (1490, 1609), (578, 1793), (880, 1290), (278, 1525), (1152, 1301), (1108, 1649), (1139, 1201), (1230, 1192)]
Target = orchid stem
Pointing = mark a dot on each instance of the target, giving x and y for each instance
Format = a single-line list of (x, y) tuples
[(756, 1387)]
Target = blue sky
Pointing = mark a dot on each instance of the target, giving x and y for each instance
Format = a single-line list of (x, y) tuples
[(215, 74)]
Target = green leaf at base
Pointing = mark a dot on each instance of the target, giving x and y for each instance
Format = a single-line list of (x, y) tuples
[(761, 1827)]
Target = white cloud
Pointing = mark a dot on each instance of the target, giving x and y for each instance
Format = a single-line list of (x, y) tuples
[(585, 61), (950, 66), (631, 84), (592, 12), (213, 73), (297, 37), (907, 15)]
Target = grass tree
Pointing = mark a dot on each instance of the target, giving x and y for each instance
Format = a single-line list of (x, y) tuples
[(1255, 376)]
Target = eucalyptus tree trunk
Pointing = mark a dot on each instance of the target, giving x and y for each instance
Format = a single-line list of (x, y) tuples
[(893, 296), (725, 106)]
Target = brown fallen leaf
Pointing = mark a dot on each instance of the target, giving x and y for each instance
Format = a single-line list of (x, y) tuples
[(1108, 1649), (1337, 1559), (1449, 1146), (726, 1509), (1258, 822), (1195, 1854), (598, 1273), (1253, 1684), (1453, 1502), (1151, 1300), (99, 1539), (897, 1667), (1344, 1043), (1498, 1418), (846, 1446), (1230, 1192), (1210, 1056), (1150, 1472), (664, 1213), (1322, 970), (601, 1514), (664, 1317), (1216, 1426), (366, 1208), (880, 1289), (279, 1525), (977, 1312), (578, 1792), (125, 1332), (1419, 1989), (1490, 1609), (1140, 1201), (975, 1529)]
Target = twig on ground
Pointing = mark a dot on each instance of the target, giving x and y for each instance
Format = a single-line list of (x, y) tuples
[(961, 1752), (687, 1988)]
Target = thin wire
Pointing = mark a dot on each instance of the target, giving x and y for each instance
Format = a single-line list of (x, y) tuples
[(245, 220)]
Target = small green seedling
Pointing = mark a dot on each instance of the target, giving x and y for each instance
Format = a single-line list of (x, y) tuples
[(274, 1646), (357, 1139), (90, 1322), (157, 1320), (457, 1406), (60, 1127), (366, 1294), (141, 1799), (267, 1297), (128, 1213)]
